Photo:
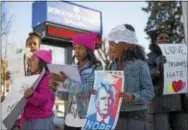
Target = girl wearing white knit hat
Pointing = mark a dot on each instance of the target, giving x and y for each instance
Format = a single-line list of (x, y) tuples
[(138, 88)]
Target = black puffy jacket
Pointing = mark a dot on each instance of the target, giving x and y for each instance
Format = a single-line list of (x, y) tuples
[(160, 103)]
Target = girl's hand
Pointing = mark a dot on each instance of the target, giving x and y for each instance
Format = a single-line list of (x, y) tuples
[(92, 91), (160, 60), (28, 92), (58, 77), (53, 85), (128, 97)]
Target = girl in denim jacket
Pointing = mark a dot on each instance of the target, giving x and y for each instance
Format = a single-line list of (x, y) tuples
[(138, 87), (84, 46)]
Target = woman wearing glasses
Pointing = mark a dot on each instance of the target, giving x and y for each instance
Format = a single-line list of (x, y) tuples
[(165, 111)]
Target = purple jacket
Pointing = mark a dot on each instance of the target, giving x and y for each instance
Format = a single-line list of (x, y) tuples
[(40, 105)]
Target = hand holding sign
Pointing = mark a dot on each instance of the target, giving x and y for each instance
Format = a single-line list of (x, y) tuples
[(28, 92), (60, 72), (53, 85), (57, 80), (58, 77), (128, 97), (160, 60)]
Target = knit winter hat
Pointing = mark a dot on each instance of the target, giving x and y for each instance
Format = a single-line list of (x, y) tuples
[(121, 34), (45, 55), (88, 40)]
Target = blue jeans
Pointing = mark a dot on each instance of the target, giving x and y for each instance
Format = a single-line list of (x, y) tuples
[(39, 124), (136, 120), (168, 121)]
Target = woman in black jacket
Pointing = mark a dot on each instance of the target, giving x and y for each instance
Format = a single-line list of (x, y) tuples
[(165, 111)]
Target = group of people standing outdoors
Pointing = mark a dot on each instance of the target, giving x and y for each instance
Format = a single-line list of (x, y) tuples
[(144, 107)]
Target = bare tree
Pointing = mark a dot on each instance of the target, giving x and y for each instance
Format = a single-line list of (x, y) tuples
[(5, 20), (102, 52)]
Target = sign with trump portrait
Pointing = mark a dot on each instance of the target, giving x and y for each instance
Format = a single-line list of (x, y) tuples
[(104, 106)]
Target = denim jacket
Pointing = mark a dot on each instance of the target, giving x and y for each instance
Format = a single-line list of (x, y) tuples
[(137, 81), (81, 90)]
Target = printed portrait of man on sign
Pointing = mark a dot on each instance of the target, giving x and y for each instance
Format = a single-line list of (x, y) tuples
[(104, 106), (104, 102)]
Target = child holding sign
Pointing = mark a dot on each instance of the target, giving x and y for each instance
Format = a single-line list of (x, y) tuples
[(32, 44), (38, 111), (138, 88), (84, 46)]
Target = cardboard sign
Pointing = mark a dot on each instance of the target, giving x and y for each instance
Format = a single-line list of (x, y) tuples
[(15, 102), (16, 62), (16, 93), (68, 71), (175, 69), (72, 118), (104, 106)]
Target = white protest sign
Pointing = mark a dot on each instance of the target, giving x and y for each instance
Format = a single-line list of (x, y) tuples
[(69, 70), (16, 61), (16, 102), (16, 93), (175, 68), (72, 118)]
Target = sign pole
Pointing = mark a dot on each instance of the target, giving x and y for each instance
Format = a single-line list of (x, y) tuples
[(68, 55)]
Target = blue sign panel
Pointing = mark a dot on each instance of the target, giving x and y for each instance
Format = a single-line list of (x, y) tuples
[(67, 14)]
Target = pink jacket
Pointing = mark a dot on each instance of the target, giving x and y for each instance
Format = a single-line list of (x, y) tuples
[(40, 105)]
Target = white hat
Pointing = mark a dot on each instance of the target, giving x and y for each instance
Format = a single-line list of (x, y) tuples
[(121, 34)]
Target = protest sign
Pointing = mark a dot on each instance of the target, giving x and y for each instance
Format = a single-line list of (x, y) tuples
[(67, 70), (104, 106), (15, 102), (16, 62), (72, 118), (175, 68), (16, 93)]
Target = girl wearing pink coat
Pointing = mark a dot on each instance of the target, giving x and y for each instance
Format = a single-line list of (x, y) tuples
[(38, 112)]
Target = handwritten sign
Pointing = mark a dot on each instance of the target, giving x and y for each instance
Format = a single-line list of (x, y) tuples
[(15, 101), (15, 62), (16, 93), (175, 69), (104, 106), (72, 118)]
